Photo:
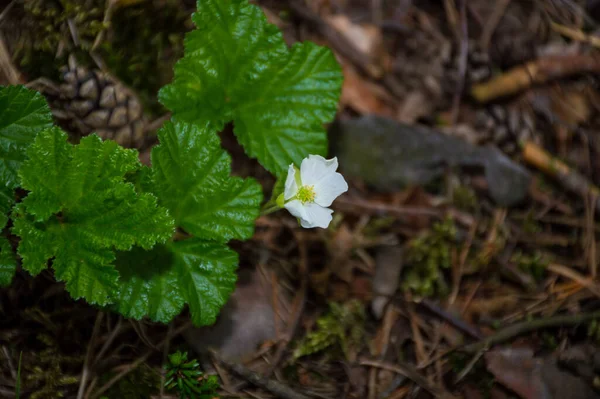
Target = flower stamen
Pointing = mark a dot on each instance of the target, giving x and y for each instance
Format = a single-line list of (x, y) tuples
[(306, 194)]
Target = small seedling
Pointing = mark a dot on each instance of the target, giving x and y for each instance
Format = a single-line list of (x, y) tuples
[(185, 378)]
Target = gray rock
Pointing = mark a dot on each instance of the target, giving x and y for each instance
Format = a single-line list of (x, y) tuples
[(389, 156)]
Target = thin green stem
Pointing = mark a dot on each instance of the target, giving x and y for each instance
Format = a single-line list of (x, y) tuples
[(269, 208)]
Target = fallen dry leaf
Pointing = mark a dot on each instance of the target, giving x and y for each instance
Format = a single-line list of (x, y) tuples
[(360, 95), (366, 38), (535, 377), (519, 371), (567, 105), (247, 320), (416, 105)]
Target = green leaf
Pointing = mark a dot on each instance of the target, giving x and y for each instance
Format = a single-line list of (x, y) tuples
[(7, 200), (37, 243), (207, 277), (192, 178), (238, 67), (80, 209), (23, 114), (148, 285), (157, 283), (8, 263)]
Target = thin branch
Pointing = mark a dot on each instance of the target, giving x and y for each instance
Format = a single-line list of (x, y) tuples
[(539, 71), (6, 10), (567, 177), (492, 23), (164, 360), (278, 389), (409, 372), (462, 61), (116, 331), (140, 360), (298, 305), (390, 209), (451, 319), (529, 326), (88, 356), (9, 362)]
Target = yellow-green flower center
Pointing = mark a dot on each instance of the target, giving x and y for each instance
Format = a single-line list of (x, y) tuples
[(306, 194)]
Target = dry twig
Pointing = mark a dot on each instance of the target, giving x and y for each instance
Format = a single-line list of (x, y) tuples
[(337, 40), (132, 366), (410, 372), (278, 389), (492, 23), (575, 34), (88, 356), (298, 304), (539, 71), (348, 50), (528, 326), (8, 72), (567, 177), (450, 319), (571, 274), (462, 61)]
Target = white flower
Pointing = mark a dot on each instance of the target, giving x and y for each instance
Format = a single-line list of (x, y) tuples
[(311, 190)]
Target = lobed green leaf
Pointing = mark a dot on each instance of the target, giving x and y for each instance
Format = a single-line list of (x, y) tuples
[(79, 210), (23, 114), (192, 178), (238, 67), (157, 283), (7, 200), (8, 263)]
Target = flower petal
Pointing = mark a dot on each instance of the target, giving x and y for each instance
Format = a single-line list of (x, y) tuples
[(316, 216), (291, 188), (297, 209), (329, 188), (315, 168)]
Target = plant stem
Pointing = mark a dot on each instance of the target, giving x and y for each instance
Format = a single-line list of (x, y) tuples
[(18, 382), (269, 208)]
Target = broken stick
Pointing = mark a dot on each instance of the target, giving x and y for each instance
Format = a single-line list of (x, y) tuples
[(570, 179), (538, 71)]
